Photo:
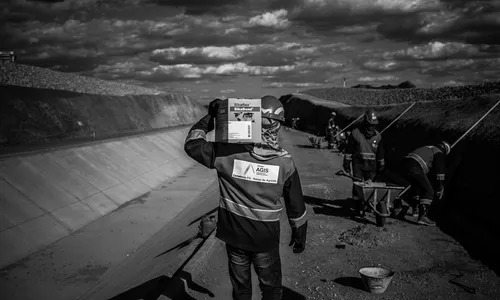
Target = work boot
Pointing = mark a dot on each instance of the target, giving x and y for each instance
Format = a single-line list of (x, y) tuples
[(423, 218), (400, 213), (414, 211)]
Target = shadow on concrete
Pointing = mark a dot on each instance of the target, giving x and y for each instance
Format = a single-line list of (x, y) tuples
[(343, 208), (179, 246), (351, 282), (292, 295), (306, 146), (174, 288)]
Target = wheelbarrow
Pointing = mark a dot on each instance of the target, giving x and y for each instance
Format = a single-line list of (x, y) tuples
[(379, 196)]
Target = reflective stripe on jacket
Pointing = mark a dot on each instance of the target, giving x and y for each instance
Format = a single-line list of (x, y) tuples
[(430, 158), (253, 189), (364, 151)]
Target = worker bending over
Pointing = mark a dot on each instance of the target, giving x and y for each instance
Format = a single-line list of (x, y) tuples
[(364, 151), (417, 166), (252, 179)]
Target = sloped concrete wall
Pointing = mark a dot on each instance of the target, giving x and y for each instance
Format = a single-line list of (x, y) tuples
[(45, 197), (34, 117)]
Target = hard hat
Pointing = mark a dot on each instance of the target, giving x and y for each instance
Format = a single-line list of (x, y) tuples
[(333, 113), (445, 147), (272, 108), (371, 117)]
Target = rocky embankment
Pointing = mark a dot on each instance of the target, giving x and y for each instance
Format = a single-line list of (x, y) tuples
[(42, 107)]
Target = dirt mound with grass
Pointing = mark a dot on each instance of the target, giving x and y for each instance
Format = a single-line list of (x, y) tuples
[(364, 96), (36, 77), (469, 209), (45, 108), (34, 117)]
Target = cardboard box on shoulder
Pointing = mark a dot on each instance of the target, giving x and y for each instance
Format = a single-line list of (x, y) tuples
[(239, 121)]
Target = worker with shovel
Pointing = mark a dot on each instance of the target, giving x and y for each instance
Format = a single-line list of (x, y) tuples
[(252, 179), (364, 152)]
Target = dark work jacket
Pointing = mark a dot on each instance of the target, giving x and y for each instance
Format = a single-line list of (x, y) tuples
[(431, 159), (367, 152), (252, 181)]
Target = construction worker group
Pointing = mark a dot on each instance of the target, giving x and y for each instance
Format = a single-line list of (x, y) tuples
[(423, 169), (249, 210)]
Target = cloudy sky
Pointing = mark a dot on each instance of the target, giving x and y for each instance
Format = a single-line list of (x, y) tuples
[(248, 48)]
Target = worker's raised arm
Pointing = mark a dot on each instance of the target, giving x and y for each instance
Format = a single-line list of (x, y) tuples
[(196, 144)]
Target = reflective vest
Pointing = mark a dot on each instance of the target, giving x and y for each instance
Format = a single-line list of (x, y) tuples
[(425, 158), (250, 190), (365, 152)]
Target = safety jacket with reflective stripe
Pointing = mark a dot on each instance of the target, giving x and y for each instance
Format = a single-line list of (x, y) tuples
[(367, 152), (251, 188), (430, 158)]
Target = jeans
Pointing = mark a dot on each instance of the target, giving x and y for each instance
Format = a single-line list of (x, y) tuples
[(267, 266), (357, 171), (421, 184)]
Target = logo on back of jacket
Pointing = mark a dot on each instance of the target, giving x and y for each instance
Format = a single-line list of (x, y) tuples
[(255, 172), (260, 170)]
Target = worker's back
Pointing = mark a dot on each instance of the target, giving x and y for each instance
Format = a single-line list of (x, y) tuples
[(425, 156), (251, 186)]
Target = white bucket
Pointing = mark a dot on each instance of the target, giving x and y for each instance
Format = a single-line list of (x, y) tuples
[(376, 279)]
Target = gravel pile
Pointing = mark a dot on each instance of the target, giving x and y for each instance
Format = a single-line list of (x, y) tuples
[(36, 77), (382, 97)]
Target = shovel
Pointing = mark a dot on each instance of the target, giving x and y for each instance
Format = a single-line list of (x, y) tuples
[(344, 173)]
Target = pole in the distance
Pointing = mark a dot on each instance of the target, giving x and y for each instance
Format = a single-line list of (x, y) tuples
[(475, 124), (394, 121)]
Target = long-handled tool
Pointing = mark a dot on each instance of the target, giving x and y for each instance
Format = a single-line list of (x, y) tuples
[(344, 173), (394, 121), (345, 128), (440, 203), (475, 124)]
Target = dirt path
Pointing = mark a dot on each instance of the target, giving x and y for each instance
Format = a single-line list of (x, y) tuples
[(424, 258)]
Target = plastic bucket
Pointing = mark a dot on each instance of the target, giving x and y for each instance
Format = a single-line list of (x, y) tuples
[(376, 279)]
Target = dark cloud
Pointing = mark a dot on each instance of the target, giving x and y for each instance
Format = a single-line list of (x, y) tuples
[(269, 57), (200, 7), (401, 28), (286, 43), (194, 58), (66, 63), (473, 22)]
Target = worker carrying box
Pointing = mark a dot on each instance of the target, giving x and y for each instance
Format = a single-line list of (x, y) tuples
[(239, 121)]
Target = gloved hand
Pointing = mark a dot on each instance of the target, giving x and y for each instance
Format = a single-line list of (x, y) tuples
[(440, 193), (213, 107), (298, 241)]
